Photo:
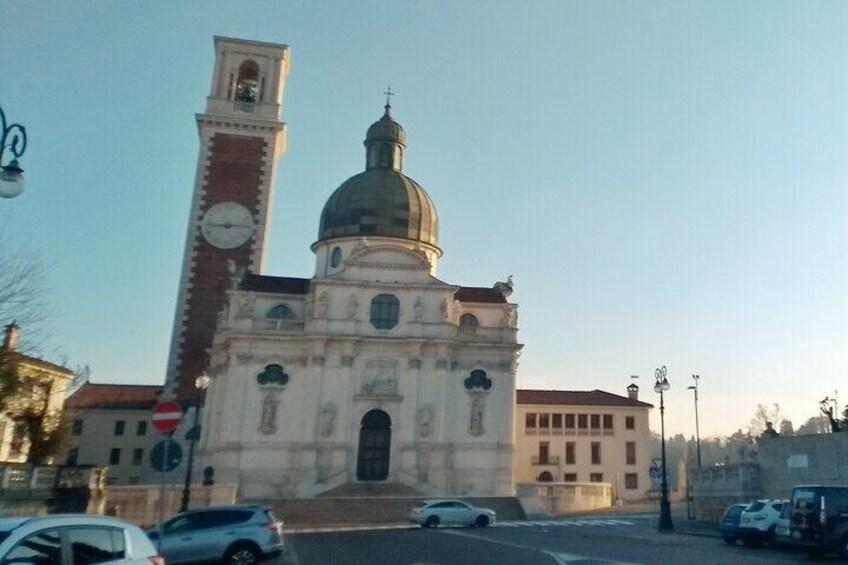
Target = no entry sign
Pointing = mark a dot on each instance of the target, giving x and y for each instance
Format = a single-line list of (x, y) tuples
[(167, 416)]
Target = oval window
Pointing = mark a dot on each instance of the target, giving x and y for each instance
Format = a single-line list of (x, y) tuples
[(336, 257)]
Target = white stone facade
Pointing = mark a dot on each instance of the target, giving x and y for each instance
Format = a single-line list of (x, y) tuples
[(299, 435)]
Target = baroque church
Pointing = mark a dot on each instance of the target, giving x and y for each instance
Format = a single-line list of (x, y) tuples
[(371, 371)]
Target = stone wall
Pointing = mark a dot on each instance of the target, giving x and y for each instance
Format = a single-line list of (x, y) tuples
[(796, 460), (713, 489)]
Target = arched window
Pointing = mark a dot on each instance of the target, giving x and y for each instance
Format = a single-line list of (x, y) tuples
[(385, 155), (336, 257), (468, 324), (385, 311), (248, 82), (545, 477), (280, 312)]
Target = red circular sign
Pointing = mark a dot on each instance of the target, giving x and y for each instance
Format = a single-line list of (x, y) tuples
[(167, 416)]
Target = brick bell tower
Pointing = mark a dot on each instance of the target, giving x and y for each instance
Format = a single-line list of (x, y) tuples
[(242, 136)]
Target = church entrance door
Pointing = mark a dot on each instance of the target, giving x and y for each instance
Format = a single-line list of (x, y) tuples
[(375, 439)]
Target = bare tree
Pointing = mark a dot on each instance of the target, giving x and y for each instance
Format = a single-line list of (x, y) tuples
[(28, 400), (764, 416), (23, 293)]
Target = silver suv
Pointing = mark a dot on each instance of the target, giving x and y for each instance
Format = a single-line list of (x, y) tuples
[(238, 535), (74, 538)]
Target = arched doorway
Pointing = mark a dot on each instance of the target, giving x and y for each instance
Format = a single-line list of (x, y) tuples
[(375, 439), (545, 477)]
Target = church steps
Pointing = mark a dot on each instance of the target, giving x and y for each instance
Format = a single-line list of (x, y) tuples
[(371, 510)]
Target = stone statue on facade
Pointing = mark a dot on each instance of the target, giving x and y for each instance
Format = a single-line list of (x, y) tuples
[(328, 420), (425, 420), (478, 408), (321, 305), (268, 422), (352, 307), (418, 309)]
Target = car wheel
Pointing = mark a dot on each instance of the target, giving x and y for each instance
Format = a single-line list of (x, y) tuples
[(751, 541), (481, 521), (430, 522), (730, 540), (242, 555)]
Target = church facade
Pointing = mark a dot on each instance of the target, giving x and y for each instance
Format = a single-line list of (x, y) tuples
[(371, 371)]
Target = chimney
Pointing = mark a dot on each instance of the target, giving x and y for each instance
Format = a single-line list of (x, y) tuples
[(10, 339), (633, 391)]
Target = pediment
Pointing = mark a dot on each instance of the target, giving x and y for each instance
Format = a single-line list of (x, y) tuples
[(387, 256)]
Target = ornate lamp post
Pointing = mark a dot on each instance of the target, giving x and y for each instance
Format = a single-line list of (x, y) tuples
[(660, 387), (12, 137), (697, 429), (202, 383)]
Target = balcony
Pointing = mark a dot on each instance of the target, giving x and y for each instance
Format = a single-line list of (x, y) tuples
[(488, 335), (549, 460), (278, 326)]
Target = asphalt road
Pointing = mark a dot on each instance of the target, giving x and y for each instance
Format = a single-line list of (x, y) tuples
[(621, 540)]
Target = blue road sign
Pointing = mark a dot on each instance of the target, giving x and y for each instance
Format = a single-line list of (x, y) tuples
[(157, 456)]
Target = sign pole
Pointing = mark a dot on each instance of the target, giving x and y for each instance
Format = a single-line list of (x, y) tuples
[(162, 494), (166, 417)]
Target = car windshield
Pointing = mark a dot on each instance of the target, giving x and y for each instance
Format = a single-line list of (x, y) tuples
[(733, 512), (755, 507)]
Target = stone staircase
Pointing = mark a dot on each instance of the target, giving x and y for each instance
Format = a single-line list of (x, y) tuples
[(371, 504)]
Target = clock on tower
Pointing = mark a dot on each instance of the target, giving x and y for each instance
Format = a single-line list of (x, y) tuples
[(241, 138)]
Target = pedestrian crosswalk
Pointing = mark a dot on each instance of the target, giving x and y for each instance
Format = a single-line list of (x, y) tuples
[(562, 523)]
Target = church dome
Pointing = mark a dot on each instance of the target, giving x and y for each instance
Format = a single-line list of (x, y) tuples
[(381, 201)]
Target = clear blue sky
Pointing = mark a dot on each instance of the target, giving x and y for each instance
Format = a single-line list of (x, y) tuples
[(665, 180)]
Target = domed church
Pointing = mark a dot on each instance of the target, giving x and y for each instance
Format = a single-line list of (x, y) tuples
[(372, 371)]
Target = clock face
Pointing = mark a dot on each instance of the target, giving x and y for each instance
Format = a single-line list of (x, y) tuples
[(227, 225)]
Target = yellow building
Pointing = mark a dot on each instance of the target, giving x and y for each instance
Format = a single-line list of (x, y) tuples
[(581, 437), (40, 398)]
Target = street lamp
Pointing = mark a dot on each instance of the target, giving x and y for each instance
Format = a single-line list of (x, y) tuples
[(12, 137), (660, 387), (201, 383), (697, 429)]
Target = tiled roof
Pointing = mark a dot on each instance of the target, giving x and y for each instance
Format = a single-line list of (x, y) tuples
[(283, 285), (38, 363), (576, 398), (479, 294), (91, 395)]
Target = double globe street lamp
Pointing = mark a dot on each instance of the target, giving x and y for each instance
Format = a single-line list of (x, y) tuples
[(660, 387), (12, 137)]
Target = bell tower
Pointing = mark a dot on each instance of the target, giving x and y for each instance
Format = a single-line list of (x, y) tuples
[(242, 135)]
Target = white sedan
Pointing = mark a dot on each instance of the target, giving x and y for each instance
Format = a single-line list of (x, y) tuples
[(432, 513)]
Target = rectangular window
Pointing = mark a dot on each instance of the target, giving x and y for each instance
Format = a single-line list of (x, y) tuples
[(582, 421), (530, 420), (596, 453), (570, 450), (115, 456), (119, 427), (631, 452), (544, 421), (73, 454), (141, 428), (544, 451), (596, 477), (596, 422), (138, 456), (134, 481), (569, 421), (570, 477), (76, 427), (557, 421), (630, 422), (631, 481), (607, 421)]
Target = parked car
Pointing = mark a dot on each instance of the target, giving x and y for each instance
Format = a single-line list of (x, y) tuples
[(75, 538), (238, 535), (820, 519), (730, 523), (758, 522), (432, 513)]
